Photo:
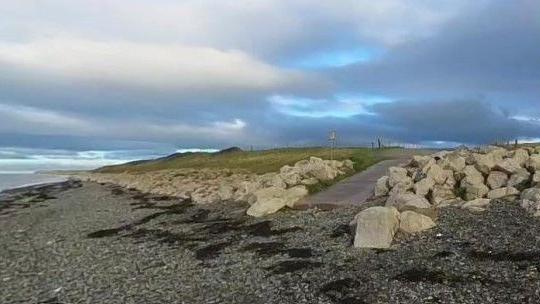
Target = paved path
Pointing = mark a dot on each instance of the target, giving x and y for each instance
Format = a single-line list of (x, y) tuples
[(350, 191)]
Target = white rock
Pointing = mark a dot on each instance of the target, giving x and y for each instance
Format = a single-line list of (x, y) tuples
[(454, 162), (502, 192), (457, 202), (349, 164), (508, 165), (484, 162), (442, 193), (476, 204), (534, 162), (473, 184), (309, 181), (497, 179), (270, 200), (375, 227), (520, 179), (397, 175), (402, 200), (521, 156), (436, 173), (420, 161), (412, 222), (225, 192), (423, 187), (381, 187)]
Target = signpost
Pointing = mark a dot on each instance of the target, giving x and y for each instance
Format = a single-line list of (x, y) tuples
[(332, 140)]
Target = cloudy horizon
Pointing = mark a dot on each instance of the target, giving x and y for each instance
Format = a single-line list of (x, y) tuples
[(138, 79)]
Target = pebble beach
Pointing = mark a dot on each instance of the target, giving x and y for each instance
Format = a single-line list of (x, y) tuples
[(96, 243)]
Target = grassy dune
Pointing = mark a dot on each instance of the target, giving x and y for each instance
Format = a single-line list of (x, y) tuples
[(256, 162)]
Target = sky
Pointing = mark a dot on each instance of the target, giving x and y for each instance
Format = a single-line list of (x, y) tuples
[(95, 82)]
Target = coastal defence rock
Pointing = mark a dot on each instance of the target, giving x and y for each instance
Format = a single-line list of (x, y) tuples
[(266, 193), (269, 200), (375, 227), (463, 178), (412, 222)]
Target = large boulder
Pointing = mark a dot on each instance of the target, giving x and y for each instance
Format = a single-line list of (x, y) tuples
[(245, 192), (375, 227), (442, 193), (474, 191), (437, 174), (454, 162), (476, 205), (508, 166), (536, 178), (521, 156), (424, 186), (402, 200), (420, 161), (520, 179), (271, 180), (225, 192), (473, 184), (412, 222), (497, 179), (533, 163), (531, 194), (503, 193), (271, 199), (398, 175), (348, 164), (320, 169), (381, 187), (484, 162)]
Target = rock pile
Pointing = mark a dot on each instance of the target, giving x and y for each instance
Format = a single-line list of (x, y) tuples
[(265, 193), (462, 178)]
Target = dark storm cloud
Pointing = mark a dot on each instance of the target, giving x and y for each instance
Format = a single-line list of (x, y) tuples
[(490, 53)]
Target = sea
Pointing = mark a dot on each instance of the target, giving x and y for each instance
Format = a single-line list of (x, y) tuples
[(17, 180)]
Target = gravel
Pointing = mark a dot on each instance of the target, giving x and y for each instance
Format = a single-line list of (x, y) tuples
[(103, 244)]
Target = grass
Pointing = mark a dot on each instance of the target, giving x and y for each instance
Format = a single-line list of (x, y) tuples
[(258, 162)]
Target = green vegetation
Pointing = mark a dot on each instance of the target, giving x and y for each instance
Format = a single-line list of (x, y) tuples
[(257, 161)]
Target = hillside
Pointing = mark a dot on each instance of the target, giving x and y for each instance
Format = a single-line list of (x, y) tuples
[(253, 161)]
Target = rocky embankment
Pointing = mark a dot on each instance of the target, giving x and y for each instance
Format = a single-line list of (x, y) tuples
[(410, 196), (265, 193)]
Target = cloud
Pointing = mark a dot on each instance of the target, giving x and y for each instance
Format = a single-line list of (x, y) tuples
[(168, 74), (29, 120), (157, 66), (339, 106)]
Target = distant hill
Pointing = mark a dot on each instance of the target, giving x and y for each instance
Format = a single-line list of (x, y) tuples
[(230, 150), (235, 158)]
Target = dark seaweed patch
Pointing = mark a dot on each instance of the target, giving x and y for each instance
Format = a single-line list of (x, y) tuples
[(117, 191), (425, 275), (443, 254), (211, 251), (164, 236), (106, 232), (292, 266), (416, 275), (502, 256), (265, 248), (285, 230), (337, 291), (299, 252)]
